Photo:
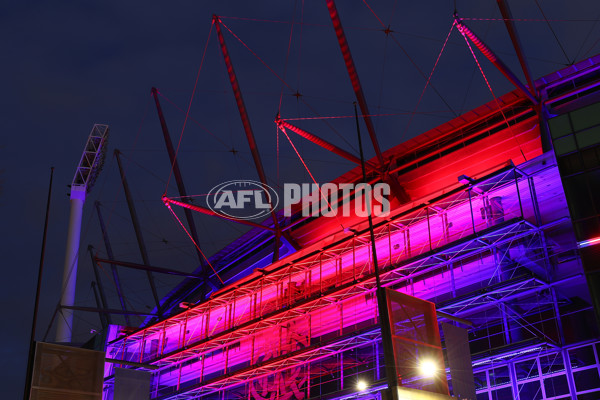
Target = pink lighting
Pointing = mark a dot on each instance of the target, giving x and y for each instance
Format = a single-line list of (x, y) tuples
[(589, 242), (259, 321)]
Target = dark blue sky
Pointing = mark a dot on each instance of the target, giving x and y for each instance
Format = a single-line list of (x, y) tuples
[(68, 65)]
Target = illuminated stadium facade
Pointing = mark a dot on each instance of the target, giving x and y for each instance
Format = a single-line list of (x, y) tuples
[(500, 234)]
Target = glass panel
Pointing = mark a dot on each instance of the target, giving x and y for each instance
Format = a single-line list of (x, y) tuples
[(502, 394), (586, 117), (483, 396), (582, 356), (556, 385), (480, 380), (499, 376), (559, 126), (531, 391), (526, 369), (588, 137), (565, 145), (586, 379), (591, 156), (589, 396), (551, 363)]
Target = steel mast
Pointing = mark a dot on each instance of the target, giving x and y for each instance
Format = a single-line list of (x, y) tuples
[(87, 171)]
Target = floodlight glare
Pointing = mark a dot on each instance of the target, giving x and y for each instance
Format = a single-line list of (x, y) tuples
[(361, 386), (427, 368)]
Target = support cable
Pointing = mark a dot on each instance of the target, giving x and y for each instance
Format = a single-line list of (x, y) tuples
[(410, 59), (193, 241), (228, 147), (311, 176), (569, 62), (187, 114), (412, 114), (492, 92), (591, 48), (586, 39), (287, 56), (283, 81), (361, 115)]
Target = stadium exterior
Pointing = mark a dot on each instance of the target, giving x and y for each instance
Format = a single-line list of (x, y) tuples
[(499, 233)]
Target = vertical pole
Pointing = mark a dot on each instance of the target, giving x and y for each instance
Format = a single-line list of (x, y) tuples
[(386, 330), (138, 231), (65, 320), (99, 283), (247, 129), (38, 289), (113, 268), (178, 178)]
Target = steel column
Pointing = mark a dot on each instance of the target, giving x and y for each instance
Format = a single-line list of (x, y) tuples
[(247, 128), (113, 269), (138, 230)]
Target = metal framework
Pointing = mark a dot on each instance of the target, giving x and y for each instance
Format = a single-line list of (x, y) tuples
[(487, 235)]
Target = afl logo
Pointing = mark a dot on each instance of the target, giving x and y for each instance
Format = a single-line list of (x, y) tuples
[(242, 199)]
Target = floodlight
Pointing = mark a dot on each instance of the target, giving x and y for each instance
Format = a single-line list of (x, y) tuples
[(361, 386), (427, 368)]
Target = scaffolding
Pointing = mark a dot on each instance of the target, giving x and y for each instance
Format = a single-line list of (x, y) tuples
[(310, 327)]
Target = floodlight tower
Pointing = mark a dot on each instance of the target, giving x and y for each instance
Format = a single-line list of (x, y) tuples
[(89, 167)]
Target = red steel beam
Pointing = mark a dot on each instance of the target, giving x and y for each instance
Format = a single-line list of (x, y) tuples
[(489, 54), (396, 189), (247, 127), (321, 142), (208, 211), (360, 97), (514, 37)]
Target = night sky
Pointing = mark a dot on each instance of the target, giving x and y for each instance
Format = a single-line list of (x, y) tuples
[(68, 65)]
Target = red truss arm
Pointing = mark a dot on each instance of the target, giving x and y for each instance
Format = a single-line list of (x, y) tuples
[(321, 142), (360, 97), (489, 54), (208, 211)]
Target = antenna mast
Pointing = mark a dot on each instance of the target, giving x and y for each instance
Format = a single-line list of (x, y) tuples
[(89, 167)]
